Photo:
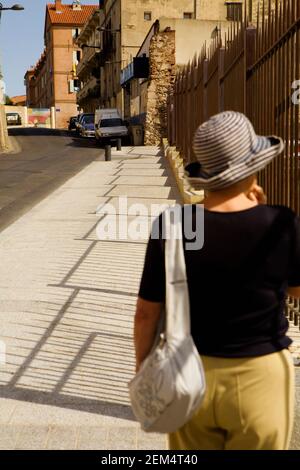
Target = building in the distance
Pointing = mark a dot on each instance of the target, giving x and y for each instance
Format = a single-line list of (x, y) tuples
[(53, 82), (19, 100), (29, 82)]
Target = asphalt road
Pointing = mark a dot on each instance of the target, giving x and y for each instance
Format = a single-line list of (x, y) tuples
[(47, 159)]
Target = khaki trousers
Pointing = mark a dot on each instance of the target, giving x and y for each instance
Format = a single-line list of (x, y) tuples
[(249, 405)]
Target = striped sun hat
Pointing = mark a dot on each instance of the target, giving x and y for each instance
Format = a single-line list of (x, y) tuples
[(228, 151)]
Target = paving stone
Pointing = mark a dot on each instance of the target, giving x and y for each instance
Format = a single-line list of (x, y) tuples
[(92, 438), (7, 408), (8, 436), (122, 438), (142, 180), (147, 441), (62, 438), (32, 438), (136, 171), (142, 192)]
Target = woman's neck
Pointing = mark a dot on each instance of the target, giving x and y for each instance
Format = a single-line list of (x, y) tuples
[(228, 203)]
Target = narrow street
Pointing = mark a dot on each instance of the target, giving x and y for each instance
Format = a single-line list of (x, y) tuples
[(47, 159), (67, 299)]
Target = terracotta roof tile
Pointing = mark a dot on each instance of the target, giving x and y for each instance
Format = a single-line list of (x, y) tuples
[(69, 16), (18, 99)]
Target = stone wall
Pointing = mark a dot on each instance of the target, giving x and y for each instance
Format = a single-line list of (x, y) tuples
[(4, 142), (162, 77)]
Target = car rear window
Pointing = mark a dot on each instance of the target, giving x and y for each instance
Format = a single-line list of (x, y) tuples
[(84, 116), (111, 123), (88, 119)]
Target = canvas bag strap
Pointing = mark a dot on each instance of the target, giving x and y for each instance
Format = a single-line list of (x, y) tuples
[(178, 323)]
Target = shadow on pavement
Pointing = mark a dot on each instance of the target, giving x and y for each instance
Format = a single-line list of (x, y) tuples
[(74, 347), (83, 142), (36, 131)]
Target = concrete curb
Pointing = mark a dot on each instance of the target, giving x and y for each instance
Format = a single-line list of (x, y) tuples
[(175, 160), (13, 147)]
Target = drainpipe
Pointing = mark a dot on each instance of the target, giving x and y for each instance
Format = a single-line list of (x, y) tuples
[(250, 11)]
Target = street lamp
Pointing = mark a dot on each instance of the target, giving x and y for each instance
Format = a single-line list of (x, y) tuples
[(83, 46), (16, 7), (102, 29)]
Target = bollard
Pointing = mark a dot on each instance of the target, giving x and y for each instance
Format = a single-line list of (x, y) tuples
[(119, 144), (107, 153)]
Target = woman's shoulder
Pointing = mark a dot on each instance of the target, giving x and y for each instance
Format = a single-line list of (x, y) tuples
[(281, 209), (187, 210)]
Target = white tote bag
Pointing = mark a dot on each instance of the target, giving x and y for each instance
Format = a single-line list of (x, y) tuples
[(170, 385)]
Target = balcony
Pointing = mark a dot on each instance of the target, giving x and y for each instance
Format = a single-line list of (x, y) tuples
[(89, 60), (90, 90)]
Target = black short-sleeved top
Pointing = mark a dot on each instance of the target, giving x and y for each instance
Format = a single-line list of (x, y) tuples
[(232, 316)]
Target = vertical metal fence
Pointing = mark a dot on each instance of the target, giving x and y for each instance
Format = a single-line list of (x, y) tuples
[(255, 70)]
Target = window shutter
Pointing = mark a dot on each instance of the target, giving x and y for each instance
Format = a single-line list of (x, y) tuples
[(71, 86)]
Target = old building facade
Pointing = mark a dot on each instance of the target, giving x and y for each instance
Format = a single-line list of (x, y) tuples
[(168, 46), (126, 23), (54, 82), (29, 82), (88, 69), (64, 81), (172, 43)]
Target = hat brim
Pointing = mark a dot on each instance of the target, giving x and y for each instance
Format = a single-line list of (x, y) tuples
[(266, 150)]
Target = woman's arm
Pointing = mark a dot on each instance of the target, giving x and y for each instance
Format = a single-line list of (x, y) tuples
[(145, 326)]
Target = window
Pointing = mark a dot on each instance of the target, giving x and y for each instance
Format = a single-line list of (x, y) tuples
[(147, 15), (188, 16), (75, 33), (234, 11), (111, 123), (76, 85), (88, 119)]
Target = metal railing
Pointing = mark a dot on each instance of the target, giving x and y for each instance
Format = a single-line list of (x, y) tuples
[(254, 70)]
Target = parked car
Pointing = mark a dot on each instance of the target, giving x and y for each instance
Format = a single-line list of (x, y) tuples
[(87, 126), (109, 126), (79, 121), (72, 123), (13, 119)]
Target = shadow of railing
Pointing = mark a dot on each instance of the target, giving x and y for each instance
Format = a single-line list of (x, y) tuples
[(77, 350)]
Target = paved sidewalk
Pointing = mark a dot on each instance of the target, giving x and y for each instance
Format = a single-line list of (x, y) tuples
[(66, 312), (67, 303)]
